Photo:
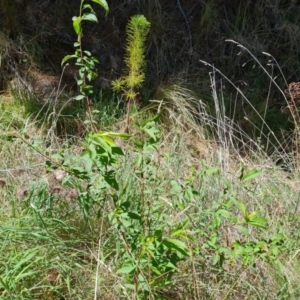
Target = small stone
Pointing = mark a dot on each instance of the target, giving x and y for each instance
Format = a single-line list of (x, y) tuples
[(22, 193), (3, 183), (59, 175)]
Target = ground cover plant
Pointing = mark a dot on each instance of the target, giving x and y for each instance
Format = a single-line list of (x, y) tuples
[(152, 220), (192, 204)]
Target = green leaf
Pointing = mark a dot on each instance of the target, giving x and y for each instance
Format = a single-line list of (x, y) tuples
[(224, 213), (212, 170), (4, 284), (251, 174), (88, 53), (108, 140), (227, 183), (170, 265), (67, 57), (103, 3), (77, 25), (103, 136), (242, 208), (88, 162), (257, 221), (215, 260), (279, 265), (182, 232), (126, 223), (25, 259), (90, 17), (117, 151), (89, 77), (134, 216), (79, 82), (176, 187), (57, 156), (110, 178), (275, 250), (243, 230), (116, 134), (100, 141), (149, 122), (88, 6), (152, 132), (26, 274), (262, 245), (242, 171), (79, 97), (127, 270), (139, 144), (188, 194), (176, 245)]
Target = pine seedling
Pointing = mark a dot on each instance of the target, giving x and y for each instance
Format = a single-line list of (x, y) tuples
[(137, 31)]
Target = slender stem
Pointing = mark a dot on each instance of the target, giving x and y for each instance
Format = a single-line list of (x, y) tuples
[(98, 261), (87, 98)]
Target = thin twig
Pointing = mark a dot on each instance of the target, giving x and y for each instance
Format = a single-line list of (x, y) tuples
[(98, 260)]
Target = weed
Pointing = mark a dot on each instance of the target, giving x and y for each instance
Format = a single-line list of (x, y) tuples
[(84, 59), (137, 30)]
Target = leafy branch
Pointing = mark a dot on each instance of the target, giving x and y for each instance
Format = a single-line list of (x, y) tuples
[(84, 58)]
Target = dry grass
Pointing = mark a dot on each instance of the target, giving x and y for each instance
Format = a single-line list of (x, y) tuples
[(184, 144)]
